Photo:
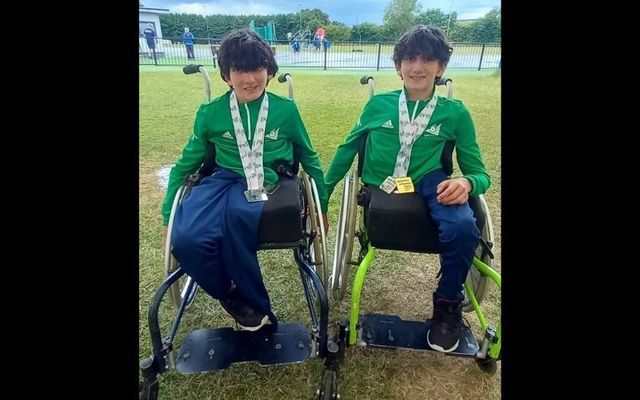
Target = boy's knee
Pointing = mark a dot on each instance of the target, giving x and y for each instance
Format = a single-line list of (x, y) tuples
[(462, 230)]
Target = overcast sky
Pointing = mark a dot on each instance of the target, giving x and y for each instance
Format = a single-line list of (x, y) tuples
[(349, 12)]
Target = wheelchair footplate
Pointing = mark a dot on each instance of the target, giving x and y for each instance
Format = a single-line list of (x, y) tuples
[(390, 331), (206, 350)]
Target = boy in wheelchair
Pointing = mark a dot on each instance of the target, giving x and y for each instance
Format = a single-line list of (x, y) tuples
[(407, 131), (215, 229)]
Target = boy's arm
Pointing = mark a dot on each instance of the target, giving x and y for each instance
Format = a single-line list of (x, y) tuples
[(192, 157), (308, 157), (347, 151), (468, 155)]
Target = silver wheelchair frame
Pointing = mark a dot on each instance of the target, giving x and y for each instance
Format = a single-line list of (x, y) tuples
[(310, 254)]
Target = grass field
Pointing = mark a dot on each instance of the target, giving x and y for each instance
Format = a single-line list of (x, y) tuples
[(397, 283)]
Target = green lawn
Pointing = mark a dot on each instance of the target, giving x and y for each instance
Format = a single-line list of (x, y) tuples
[(397, 283)]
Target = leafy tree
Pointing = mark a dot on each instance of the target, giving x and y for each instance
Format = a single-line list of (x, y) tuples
[(313, 19), (484, 30), (488, 28), (435, 17), (460, 33), (399, 16), (366, 32), (337, 32)]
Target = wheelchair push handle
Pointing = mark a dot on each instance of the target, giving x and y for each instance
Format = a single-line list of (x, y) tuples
[(368, 80), (191, 69), (195, 68), (283, 77), (448, 82), (443, 81), (286, 77), (365, 79)]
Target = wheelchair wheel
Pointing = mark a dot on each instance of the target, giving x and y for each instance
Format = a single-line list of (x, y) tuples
[(328, 386), (147, 391), (346, 237), (178, 290), (489, 366), (476, 280), (318, 248)]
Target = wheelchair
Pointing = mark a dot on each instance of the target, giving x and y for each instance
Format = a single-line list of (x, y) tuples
[(397, 222), (290, 220)]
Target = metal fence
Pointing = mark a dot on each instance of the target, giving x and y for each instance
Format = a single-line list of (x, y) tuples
[(307, 54)]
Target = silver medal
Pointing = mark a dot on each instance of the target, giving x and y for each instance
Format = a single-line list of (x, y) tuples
[(256, 195)]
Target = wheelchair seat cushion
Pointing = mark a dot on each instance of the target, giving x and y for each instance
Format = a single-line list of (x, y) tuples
[(280, 221), (402, 221), (399, 222)]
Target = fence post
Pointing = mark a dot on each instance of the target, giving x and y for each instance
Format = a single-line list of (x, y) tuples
[(325, 57), (481, 55), (378, 64)]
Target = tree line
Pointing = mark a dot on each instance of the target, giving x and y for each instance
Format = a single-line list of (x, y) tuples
[(399, 16)]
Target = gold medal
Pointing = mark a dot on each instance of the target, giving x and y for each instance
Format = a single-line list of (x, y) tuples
[(405, 185)]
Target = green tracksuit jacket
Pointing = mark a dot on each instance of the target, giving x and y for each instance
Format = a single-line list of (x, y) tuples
[(213, 124), (450, 121)]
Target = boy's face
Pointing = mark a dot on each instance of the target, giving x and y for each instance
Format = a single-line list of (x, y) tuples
[(248, 85), (419, 76)]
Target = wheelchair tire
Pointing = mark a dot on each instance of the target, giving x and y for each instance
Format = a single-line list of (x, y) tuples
[(178, 289), (346, 236), (475, 279), (489, 365), (318, 249), (328, 386), (147, 392)]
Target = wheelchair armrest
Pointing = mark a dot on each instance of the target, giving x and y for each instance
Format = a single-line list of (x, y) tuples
[(363, 197), (192, 180)]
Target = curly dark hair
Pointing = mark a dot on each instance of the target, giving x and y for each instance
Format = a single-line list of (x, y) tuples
[(428, 41), (247, 51)]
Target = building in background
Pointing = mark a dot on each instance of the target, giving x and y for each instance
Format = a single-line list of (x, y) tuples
[(150, 16)]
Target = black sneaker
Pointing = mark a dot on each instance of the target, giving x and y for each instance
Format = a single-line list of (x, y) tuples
[(443, 335), (246, 317)]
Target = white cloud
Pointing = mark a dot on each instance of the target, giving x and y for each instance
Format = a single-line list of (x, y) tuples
[(475, 14), (226, 8)]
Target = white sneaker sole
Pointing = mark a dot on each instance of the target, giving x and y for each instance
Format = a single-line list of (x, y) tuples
[(265, 321), (441, 349)]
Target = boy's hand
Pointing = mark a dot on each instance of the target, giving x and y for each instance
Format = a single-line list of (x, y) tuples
[(453, 191)]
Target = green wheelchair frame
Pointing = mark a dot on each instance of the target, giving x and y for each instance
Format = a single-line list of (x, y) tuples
[(349, 332)]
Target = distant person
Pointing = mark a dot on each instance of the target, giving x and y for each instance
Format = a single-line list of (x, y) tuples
[(326, 44), (187, 39), (320, 35), (295, 45), (152, 38), (316, 42)]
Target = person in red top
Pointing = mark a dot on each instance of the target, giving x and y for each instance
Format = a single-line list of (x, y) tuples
[(320, 35)]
